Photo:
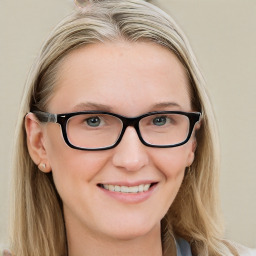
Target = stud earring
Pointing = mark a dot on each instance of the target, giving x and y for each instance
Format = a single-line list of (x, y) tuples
[(42, 167), (80, 3)]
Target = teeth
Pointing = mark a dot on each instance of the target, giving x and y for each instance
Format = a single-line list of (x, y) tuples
[(117, 188), (146, 187), (125, 189), (141, 188), (110, 187)]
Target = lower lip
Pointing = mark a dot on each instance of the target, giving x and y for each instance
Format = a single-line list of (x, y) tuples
[(131, 198)]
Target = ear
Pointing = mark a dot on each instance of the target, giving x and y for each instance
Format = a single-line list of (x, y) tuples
[(35, 142), (191, 155)]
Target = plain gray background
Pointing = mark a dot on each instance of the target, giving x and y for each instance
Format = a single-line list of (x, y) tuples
[(223, 37)]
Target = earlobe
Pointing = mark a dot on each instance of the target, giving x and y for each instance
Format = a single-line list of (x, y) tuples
[(193, 146), (35, 142)]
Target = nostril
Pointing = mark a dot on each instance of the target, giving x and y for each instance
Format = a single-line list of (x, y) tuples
[(129, 163)]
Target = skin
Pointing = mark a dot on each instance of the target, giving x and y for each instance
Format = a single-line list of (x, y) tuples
[(129, 79)]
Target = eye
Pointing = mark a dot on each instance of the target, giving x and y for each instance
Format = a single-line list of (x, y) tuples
[(94, 121), (160, 120)]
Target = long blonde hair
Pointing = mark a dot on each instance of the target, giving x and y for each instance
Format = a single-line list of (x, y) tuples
[(37, 221)]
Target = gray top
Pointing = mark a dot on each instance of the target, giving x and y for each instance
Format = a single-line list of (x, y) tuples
[(183, 247)]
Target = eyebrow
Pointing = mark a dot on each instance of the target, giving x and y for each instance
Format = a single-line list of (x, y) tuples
[(91, 106), (166, 104), (98, 106)]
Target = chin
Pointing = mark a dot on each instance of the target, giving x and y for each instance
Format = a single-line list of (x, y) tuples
[(132, 230)]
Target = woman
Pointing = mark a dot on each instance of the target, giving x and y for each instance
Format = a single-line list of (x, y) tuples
[(118, 153)]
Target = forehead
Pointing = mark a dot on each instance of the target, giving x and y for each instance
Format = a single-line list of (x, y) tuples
[(140, 73)]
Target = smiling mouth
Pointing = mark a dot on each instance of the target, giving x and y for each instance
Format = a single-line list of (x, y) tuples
[(126, 189)]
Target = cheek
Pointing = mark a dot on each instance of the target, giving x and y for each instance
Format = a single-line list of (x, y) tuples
[(173, 161), (70, 166)]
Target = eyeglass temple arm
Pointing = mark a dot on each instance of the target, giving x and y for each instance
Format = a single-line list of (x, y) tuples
[(45, 117)]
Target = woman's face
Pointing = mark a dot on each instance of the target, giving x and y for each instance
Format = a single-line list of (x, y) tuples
[(129, 79)]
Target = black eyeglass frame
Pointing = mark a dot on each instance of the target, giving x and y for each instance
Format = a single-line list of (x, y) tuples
[(62, 120)]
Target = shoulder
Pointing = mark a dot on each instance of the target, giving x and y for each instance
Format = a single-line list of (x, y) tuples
[(183, 248), (5, 253), (242, 250)]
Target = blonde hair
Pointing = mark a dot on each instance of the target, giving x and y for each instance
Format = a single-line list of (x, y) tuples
[(37, 221)]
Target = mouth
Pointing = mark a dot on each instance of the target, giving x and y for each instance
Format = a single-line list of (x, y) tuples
[(128, 189)]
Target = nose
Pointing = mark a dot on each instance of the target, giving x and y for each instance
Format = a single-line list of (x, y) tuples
[(130, 154)]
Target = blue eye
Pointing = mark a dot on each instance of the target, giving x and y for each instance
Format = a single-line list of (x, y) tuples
[(160, 120), (94, 121)]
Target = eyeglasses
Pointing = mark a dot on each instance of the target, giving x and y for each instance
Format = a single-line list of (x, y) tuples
[(97, 130)]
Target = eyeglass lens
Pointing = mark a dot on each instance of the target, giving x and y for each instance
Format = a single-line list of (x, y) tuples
[(103, 130)]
